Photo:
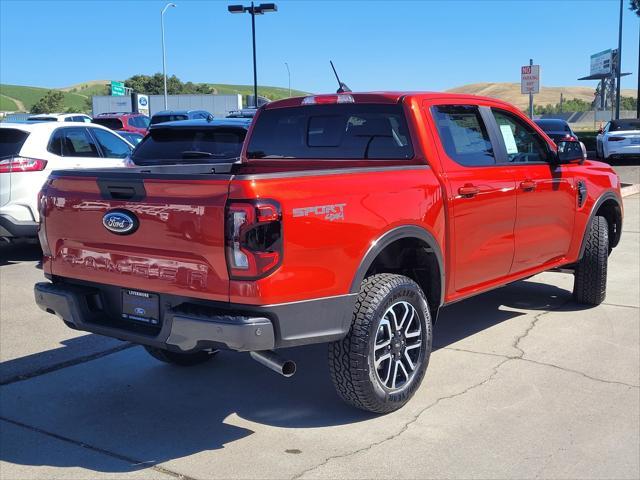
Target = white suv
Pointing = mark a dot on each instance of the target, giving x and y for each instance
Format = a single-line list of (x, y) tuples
[(60, 117), (30, 151)]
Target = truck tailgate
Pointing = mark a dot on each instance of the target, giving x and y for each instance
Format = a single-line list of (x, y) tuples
[(178, 246)]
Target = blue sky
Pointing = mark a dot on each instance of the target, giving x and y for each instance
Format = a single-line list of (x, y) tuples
[(390, 44)]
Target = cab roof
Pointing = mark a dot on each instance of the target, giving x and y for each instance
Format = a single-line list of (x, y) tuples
[(388, 97)]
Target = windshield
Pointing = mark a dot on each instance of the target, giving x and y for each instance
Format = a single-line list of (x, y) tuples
[(112, 123), (620, 125), (553, 125), (189, 145), (11, 141), (339, 131), (167, 118)]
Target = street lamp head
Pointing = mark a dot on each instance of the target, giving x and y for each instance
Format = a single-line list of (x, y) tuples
[(267, 7), (167, 6), (235, 9)]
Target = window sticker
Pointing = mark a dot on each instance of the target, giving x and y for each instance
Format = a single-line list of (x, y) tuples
[(509, 140)]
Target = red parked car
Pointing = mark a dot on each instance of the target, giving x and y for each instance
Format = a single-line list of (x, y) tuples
[(128, 122), (348, 219)]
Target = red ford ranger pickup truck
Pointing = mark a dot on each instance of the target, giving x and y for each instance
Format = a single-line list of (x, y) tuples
[(349, 219)]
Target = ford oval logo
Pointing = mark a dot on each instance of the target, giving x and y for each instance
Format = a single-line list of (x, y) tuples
[(120, 222)]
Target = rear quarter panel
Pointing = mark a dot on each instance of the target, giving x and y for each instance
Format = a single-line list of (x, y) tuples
[(322, 251)]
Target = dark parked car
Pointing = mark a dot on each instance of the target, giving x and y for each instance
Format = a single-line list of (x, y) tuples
[(178, 115), (192, 141), (128, 122), (558, 130)]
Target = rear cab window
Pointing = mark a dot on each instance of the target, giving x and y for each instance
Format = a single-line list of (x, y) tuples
[(189, 145), (11, 141), (332, 132)]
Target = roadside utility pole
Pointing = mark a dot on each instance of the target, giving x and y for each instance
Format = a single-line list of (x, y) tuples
[(618, 73)]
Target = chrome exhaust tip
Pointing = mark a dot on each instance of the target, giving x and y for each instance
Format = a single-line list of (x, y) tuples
[(273, 361)]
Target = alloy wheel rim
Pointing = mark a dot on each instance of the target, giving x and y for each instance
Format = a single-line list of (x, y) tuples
[(398, 345)]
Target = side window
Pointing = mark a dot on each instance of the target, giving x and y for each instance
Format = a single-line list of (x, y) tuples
[(112, 146), (55, 144), (77, 142), (70, 119), (522, 142), (464, 135)]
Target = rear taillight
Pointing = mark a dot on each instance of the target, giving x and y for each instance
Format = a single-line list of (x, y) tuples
[(253, 238), (22, 164), (616, 139)]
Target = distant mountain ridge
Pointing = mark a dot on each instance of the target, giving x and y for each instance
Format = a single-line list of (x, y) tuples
[(510, 92), (22, 97)]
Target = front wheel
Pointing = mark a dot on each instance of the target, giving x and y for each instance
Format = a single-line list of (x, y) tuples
[(590, 281), (381, 362), (179, 358)]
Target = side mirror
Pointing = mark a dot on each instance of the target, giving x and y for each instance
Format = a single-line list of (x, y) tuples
[(571, 151), (601, 130)]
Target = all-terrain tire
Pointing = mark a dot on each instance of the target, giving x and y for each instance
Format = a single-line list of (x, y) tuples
[(590, 278), (180, 359), (352, 359)]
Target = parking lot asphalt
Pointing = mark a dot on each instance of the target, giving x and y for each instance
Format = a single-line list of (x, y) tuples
[(628, 170), (522, 383)]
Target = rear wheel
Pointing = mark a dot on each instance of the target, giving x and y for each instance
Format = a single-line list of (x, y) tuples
[(590, 280), (179, 358), (381, 362)]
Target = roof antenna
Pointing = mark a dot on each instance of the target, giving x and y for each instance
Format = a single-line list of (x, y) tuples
[(342, 87)]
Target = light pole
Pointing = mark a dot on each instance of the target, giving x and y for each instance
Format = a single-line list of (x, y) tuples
[(619, 71), (254, 10), (164, 59), (289, 75)]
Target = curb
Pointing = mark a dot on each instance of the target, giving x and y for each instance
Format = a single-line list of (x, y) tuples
[(629, 190)]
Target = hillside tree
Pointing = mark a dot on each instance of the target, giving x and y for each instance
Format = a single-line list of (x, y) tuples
[(51, 102)]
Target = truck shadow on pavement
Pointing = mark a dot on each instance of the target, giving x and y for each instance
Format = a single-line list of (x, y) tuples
[(143, 413)]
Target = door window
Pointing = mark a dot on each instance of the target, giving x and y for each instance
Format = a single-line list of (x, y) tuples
[(522, 142), (73, 142), (464, 135), (112, 146)]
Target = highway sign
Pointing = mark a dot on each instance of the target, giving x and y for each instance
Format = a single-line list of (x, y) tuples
[(117, 89), (601, 63), (530, 79)]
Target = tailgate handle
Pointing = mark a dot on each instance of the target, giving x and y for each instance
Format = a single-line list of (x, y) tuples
[(122, 189), (121, 193)]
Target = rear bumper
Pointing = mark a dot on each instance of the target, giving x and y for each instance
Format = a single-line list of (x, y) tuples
[(12, 228), (192, 325), (614, 150)]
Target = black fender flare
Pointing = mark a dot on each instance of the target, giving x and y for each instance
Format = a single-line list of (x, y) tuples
[(608, 195), (398, 233)]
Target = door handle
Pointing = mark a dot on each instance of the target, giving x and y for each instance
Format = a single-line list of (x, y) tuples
[(468, 190), (528, 185)]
